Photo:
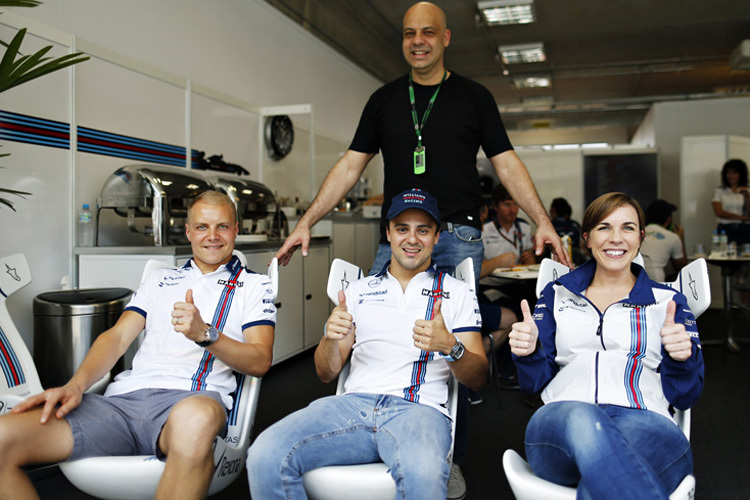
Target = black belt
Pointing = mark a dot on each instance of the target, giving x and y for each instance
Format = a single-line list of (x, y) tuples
[(447, 226)]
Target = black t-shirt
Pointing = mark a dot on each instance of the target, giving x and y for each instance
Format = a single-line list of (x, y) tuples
[(463, 118)]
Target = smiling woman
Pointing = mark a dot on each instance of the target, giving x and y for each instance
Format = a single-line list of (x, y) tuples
[(610, 350)]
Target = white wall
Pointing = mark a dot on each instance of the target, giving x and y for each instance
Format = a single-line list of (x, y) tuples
[(241, 49), (700, 156), (674, 120)]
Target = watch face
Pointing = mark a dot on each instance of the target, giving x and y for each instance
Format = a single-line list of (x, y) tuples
[(457, 351), (279, 135)]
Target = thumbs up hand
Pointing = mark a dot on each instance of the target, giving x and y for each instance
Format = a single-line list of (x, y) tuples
[(674, 337), (432, 334), (339, 324), (524, 334), (186, 319)]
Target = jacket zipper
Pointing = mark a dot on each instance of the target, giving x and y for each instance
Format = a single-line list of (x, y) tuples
[(596, 373)]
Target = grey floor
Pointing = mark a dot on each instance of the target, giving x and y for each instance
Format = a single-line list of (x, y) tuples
[(720, 439)]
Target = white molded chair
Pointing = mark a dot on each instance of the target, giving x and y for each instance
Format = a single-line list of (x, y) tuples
[(365, 481), (136, 477), (18, 376), (691, 282)]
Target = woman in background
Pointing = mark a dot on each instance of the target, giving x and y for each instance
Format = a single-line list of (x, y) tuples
[(612, 353), (731, 202)]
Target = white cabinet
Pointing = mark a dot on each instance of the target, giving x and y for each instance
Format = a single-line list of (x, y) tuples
[(103, 271), (302, 305), (288, 333), (356, 241), (316, 303), (343, 241)]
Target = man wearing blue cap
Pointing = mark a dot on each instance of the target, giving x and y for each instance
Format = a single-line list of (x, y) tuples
[(407, 329)]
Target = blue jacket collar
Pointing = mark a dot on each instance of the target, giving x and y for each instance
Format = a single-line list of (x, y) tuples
[(577, 281)]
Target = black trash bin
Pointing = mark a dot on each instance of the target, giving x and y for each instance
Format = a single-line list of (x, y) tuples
[(66, 323)]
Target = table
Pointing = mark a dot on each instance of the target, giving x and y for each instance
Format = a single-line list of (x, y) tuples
[(530, 272), (729, 267)]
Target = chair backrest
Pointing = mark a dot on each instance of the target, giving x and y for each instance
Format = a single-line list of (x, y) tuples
[(549, 270), (341, 274), (693, 283), (465, 271), (18, 375)]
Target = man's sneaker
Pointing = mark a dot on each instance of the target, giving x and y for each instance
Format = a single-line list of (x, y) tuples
[(456, 484), (475, 398)]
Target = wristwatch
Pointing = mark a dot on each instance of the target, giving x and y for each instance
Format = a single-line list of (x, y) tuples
[(457, 351), (211, 334)]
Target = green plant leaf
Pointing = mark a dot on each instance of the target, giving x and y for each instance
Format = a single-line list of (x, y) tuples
[(46, 68), (6, 63), (14, 72)]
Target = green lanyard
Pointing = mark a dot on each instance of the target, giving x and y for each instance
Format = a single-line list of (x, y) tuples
[(420, 164)]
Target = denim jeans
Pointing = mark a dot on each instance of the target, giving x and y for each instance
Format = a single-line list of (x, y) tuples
[(412, 439), (609, 451), (451, 249)]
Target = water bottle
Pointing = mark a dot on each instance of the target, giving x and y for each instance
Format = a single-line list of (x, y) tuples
[(723, 243), (732, 250), (567, 246), (715, 243), (85, 227)]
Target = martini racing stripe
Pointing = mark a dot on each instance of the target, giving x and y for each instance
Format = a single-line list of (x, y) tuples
[(634, 366), (219, 320), (419, 368), (10, 363)]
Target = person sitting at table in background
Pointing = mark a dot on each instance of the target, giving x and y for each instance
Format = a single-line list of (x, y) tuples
[(664, 242), (731, 202), (507, 239), (560, 212), (613, 351)]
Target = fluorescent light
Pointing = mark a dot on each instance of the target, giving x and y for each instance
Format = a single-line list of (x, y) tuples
[(595, 145), (507, 11), (565, 146), (530, 82), (523, 53)]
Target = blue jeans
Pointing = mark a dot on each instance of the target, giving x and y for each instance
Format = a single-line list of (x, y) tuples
[(609, 451), (452, 248), (412, 439)]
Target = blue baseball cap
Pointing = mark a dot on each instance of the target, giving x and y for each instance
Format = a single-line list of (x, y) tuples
[(414, 198)]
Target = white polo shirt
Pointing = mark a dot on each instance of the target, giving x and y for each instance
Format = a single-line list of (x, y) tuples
[(384, 359), (498, 241), (731, 202), (659, 245), (230, 298)]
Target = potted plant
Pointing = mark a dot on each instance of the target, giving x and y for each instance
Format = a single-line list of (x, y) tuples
[(17, 69)]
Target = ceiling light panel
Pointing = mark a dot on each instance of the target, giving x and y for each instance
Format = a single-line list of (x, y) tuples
[(507, 11), (524, 53), (530, 82)]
